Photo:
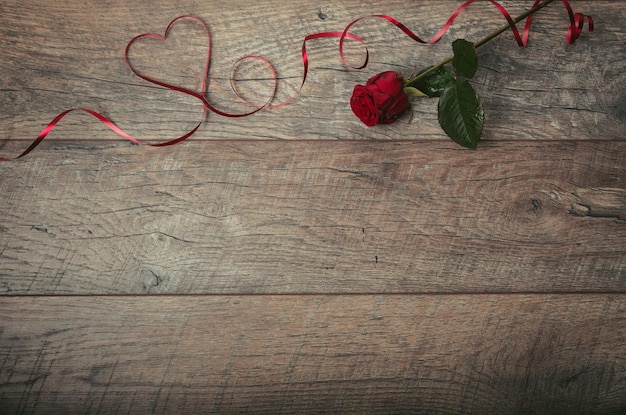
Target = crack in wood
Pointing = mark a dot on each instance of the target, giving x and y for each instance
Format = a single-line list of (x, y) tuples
[(599, 203)]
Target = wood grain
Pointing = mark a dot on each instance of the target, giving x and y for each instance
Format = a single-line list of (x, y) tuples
[(303, 263), (315, 217), (552, 354), (56, 57)]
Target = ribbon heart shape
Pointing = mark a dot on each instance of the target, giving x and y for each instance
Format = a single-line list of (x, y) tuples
[(201, 96), (198, 95)]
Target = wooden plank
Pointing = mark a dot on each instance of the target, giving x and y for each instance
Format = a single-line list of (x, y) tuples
[(315, 217), (58, 56), (561, 354)]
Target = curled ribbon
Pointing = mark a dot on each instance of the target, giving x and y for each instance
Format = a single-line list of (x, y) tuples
[(575, 30)]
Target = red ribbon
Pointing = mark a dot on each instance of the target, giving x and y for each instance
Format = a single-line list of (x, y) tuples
[(575, 30)]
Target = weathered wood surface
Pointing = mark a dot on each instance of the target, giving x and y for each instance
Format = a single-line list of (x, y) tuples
[(305, 199), (296, 217), (556, 354)]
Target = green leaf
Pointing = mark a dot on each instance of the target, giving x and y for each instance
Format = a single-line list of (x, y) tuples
[(434, 83), (460, 114), (465, 59), (414, 92)]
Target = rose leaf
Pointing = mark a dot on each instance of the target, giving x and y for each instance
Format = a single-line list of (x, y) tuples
[(460, 114), (434, 83), (465, 59)]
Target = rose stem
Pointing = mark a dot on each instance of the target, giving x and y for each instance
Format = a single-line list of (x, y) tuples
[(481, 42)]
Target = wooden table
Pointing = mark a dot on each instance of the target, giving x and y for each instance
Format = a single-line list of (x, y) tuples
[(296, 261)]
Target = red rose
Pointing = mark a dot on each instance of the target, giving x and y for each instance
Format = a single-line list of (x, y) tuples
[(382, 100)]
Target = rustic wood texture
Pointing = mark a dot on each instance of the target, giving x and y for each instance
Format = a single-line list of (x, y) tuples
[(311, 217), (296, 261), (315, 354)]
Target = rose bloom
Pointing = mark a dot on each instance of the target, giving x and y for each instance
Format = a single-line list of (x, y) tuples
[(382, 100)]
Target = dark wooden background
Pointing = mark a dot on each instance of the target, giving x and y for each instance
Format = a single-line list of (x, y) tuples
[(296, 261)]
